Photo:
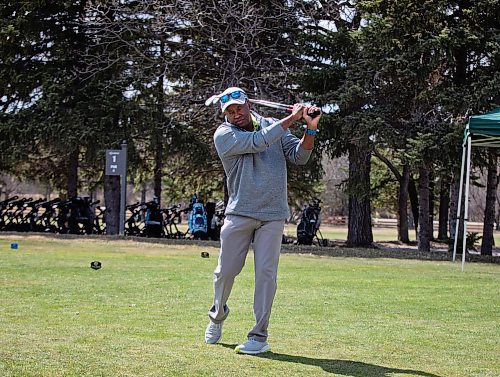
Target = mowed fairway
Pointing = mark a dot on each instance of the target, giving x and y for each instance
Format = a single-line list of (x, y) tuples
[(144, 314)]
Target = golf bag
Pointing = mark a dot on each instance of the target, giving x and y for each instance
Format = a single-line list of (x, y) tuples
[(81, 215), (215, 218), (197, 220), (153, 219), (308, 227)]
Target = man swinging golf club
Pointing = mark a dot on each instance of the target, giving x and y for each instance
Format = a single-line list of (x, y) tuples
[(253, 151)]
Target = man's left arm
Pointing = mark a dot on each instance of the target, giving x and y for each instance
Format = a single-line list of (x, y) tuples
[(307, 141), (297, 150)]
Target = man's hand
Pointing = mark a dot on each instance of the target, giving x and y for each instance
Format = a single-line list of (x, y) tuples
[(297, 112), (312, 123)]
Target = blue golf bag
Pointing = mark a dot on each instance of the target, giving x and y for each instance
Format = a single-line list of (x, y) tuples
[(197, 221)]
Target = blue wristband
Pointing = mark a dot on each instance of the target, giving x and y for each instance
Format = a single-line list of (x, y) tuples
[(311, 132)]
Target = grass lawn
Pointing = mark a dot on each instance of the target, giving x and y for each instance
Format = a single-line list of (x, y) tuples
[(144, 314)]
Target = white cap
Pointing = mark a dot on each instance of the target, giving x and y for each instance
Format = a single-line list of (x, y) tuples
[(240, 100)]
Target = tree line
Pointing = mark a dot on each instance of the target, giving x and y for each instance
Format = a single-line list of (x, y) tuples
[(397, 81)]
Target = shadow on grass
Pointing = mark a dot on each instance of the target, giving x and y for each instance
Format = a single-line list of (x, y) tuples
[(341, 367)]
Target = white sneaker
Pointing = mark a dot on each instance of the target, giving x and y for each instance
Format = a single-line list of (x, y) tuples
[(213, 332), (253, 347)]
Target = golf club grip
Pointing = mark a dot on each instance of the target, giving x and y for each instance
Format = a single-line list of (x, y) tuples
[(315, 114)]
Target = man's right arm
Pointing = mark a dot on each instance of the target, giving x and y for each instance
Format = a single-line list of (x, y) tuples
[(230, 141)]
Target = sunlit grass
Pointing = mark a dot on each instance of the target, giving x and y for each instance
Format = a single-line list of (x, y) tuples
[(144, 314)]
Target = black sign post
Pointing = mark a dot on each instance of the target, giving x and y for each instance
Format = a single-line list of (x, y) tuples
[(116, 164)]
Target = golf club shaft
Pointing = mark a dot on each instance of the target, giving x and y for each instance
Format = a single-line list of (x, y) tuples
[(280, 106), (273, 105)]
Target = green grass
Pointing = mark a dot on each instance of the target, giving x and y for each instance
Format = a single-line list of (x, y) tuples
[(144, 314)]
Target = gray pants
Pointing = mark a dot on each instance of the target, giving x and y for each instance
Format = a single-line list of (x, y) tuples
[(236, 235)]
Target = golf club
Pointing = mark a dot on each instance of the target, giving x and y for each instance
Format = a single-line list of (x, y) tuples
[(279, 106), (275, 105)]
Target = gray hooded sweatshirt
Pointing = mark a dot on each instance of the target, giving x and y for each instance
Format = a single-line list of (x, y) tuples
[(255, 166)]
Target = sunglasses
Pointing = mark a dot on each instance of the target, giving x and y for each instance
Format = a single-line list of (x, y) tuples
[(234, 95)]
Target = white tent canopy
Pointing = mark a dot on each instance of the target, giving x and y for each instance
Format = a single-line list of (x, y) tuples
[(483, 131)]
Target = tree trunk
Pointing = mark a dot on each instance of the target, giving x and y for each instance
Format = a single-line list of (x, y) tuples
[(498, 213), (157, 170), (72, 173), (158, 134), (406, 189), (444, 206), (453, 212), (413, 194), (403, 206), (432, 185), (424, 236), (360, 221), (112, 202), (454, 215), (489, 211)]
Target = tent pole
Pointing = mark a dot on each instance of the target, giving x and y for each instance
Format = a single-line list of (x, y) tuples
[(459, 209), (466, 201)]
